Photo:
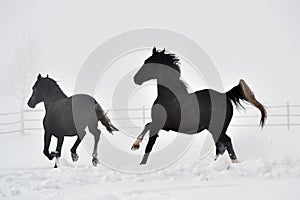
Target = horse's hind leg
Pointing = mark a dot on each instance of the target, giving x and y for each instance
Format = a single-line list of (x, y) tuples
[(223, 143), (96, 132), (221, 139), (74, 155), (220, 149), (226, 140)]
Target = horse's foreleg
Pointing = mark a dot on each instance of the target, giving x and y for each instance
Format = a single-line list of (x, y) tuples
[(47, 140), (74, 155), (159, 117), (139, 139), (60, 141), (152, 139)]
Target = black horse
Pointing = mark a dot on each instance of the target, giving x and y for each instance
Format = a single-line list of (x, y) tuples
[(177, 110), (67, 116)]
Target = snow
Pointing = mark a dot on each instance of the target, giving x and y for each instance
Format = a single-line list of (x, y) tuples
[(269, 168)]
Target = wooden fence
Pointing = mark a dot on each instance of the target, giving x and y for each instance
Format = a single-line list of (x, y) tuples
[(287, 116)]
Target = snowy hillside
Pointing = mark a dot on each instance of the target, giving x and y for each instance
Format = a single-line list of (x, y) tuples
[(269, 169)]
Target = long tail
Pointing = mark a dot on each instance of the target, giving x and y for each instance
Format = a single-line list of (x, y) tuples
[(102, 117), (243, 92)]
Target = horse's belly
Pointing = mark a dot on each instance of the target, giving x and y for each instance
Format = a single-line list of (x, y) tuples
[(64, 124), (61, 129), (66, 133)]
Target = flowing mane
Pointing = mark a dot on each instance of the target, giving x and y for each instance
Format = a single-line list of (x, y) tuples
[(52, 87), (164, 58), (168, 59)]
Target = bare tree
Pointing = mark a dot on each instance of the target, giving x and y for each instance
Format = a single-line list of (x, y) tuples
[(22, 71)]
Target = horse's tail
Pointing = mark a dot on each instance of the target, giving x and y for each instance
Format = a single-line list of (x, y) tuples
[(102, 117), (243, 92)]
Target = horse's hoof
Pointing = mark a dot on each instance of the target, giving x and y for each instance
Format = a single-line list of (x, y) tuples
[(135, 147), (55, 166), (235, 161), (216, 158), (74, 156), (95, 161), (143, 162)]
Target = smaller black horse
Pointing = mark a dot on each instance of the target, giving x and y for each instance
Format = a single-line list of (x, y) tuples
[(68, 116)]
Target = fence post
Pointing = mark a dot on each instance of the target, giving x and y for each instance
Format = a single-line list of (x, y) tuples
[(22, 120), (288, 115), (144, 115)]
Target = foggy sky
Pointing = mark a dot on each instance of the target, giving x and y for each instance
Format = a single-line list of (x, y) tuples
[(255, 40)]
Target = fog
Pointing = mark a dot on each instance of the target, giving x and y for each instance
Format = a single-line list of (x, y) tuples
[(255, 40)]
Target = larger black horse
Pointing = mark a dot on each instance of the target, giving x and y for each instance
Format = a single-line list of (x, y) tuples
[(178, 110), (68, 116)]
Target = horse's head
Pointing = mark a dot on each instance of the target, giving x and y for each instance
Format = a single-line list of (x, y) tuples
[(38, 91), (157, 66)]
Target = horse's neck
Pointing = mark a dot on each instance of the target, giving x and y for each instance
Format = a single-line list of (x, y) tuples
[(170, 87), (51, 98)]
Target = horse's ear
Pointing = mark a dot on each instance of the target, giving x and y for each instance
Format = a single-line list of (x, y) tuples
[(47, 76), (39, 77), (163, 51), (153, 50)]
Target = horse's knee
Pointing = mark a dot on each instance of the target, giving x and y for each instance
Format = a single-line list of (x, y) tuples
[(48, 155)]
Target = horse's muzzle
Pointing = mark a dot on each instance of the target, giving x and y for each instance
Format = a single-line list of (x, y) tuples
[(137, 81), (30, 103)]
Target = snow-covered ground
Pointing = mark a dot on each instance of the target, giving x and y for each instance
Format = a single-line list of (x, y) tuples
[(269, 168)]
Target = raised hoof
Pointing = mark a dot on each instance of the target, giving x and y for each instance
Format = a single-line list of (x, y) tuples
[(235, 161), (143, 162), (135, 147), (50, 157), (74, 156), (95, 161)]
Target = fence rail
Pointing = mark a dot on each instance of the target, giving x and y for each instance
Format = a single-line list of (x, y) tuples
[(288, 116)]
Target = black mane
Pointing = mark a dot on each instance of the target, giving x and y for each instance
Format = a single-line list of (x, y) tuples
[(161, 57), (51, 86)]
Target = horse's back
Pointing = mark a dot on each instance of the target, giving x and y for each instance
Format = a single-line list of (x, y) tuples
[(83, 109), (71, 115)]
